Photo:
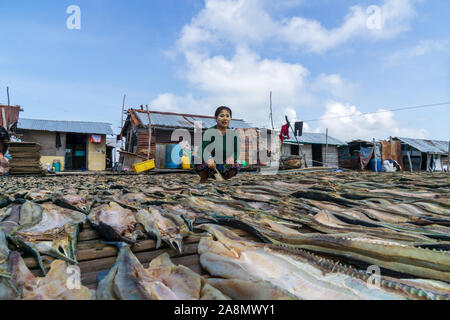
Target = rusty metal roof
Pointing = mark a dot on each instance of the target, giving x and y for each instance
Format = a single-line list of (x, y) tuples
[(427, 146), (65, 126), (175, 120), (314, 138), (9, 115)]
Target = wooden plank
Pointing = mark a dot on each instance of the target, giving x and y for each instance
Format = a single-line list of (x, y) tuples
[(88, 234), (192, 262), (98, 265)]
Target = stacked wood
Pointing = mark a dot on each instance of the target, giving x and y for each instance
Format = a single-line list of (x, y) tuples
[(25, 158)]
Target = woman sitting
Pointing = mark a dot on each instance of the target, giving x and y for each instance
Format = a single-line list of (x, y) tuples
[(229, 145)]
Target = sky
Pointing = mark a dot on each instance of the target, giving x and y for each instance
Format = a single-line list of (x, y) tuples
[(329, 61)]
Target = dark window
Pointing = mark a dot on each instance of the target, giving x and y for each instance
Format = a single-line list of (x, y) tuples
[(294, 149)]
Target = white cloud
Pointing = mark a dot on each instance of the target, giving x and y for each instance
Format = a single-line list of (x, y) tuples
[(242, 79), (346, 122), (333, 84), (423, 48), (169, 102), (249, 22), (243, 83)]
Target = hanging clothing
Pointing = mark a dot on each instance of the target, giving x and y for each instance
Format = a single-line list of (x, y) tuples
[(96, 138), (58, 141), (298, 129), (284, 134)]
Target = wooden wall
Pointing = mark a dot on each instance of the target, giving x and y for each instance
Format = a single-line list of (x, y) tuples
[(306, 149), (392, 150), (332, 159)]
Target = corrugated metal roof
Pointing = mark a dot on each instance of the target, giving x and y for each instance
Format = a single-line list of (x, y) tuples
[(65, 126), (314, 138), (427, 146), (184, 121)]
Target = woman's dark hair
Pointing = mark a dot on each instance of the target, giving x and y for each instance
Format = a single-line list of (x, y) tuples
[(219, 109)]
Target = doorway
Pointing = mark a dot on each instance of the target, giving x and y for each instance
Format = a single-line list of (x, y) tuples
[(317, 155), (76, 152)]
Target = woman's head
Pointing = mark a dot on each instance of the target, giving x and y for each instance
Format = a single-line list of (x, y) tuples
[(223, 116)]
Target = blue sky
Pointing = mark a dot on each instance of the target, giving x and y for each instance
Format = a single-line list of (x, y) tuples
[(318, 57)]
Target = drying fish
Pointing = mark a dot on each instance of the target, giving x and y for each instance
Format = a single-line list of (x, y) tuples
[(30, 214), (73, 201), (129, 280), (114, 222), (400, 222), (126, 280), (393, 255), (232, 258), (163, 226), (250, 290), (5, 200), (58, 284), (324, 196), (55, 234), (8, 290), (136, 200), (39, 196), (188, 215)]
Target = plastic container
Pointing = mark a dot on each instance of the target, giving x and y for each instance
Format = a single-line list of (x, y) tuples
[(173, 156), (144, 166), (378, 167), (57, 165), (185, 163), (243, 163)]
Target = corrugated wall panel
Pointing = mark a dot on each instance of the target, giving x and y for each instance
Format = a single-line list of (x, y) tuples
[(332, 159)]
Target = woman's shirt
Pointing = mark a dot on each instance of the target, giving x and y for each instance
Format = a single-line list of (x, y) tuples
[(209, 139)]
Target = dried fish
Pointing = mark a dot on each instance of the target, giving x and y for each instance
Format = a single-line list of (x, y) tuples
[(114, 222)]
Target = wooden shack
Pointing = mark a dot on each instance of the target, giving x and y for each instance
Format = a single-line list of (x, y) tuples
[(314, 148), (423, 155), (140, 124), (77, 145)]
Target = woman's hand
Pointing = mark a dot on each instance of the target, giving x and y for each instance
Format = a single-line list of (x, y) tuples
[(230, 161), (211, 164)]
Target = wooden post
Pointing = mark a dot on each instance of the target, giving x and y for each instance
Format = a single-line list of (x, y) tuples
[(7, 110), (392, 157), (149, 132), (375, 155), (271, 116), (448, 158), (326, 149), (121, 124), (410, 162)]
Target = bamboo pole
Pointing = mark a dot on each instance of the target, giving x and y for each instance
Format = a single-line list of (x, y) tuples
[(448, 158), (149, 132), (8, 111), (121, 124), (375, 155), (410, 162), (326, 149)]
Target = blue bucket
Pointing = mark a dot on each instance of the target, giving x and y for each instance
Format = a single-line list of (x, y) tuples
[(173, 156)]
